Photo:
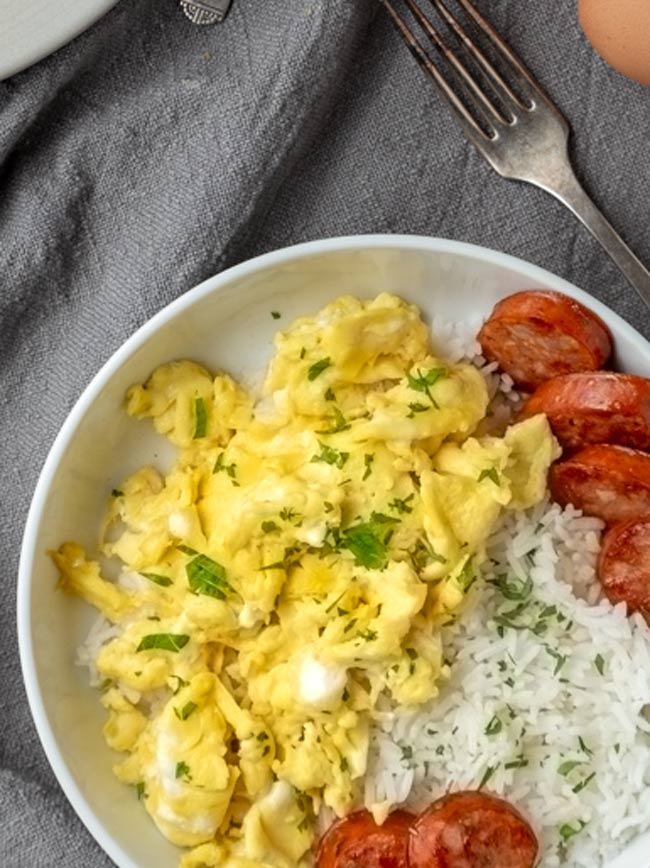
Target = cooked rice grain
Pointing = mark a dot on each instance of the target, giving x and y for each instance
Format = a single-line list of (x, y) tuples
[(546, 701)]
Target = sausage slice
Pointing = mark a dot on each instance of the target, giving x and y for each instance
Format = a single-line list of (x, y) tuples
[(609, 482), (624, 564), (471, 829), (540, 334), (595, 408), (358, 842)]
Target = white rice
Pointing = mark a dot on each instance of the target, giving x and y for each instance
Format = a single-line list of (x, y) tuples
[(574, 691), (101, 632), (548, 708)]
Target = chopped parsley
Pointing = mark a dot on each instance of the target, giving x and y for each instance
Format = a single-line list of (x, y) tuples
[(382, 518), (200, 419), (402, 506), (506, 618), (422, 381), (117, 493), (467, 576), (489, 771), (416, 407), (567, 831), (489, 473), (367, 461), (337, 600), (207, 577), (526, 617), (292, 555), (184, 712), (368, 635), (494, 726), (583, 747), (287, 513), (515, 590), (584, 783), (180, 682), (183, 771), (422, 554), (337, 422), (368, 541), (163, 642), (327, 506), (276, 314), (270, 527), (329, 395), (560, 659), (157, 579), (365, 543), (317, 368), (229, 469), (568, 766), (599, 662), (140, 790), (518, 763), (331, 456)]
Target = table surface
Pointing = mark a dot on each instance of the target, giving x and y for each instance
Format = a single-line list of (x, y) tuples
[(149, 154)]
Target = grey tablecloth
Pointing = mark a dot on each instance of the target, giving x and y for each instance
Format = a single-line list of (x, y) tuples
[(149, 154)]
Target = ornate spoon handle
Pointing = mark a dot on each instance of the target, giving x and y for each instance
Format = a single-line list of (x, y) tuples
[(205, 11)]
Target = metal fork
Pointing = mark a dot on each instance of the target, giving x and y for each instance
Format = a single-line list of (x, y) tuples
[(522, 135)]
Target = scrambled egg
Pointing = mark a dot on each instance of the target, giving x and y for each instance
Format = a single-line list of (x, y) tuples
[(292, 571)]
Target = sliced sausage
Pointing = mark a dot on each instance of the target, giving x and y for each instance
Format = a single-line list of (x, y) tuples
[(358, 842), (624, 564), (471, 829), (540, 334), (609, 482), (595, 408)]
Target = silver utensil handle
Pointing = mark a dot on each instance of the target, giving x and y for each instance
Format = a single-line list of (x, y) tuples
[(571, 193)]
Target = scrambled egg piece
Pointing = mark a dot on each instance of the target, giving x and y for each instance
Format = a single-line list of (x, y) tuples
[(294, 566)]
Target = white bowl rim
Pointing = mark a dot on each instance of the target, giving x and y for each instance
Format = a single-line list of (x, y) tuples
[(537, 275)]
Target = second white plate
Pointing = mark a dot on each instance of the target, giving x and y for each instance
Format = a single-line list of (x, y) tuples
[(32, 29)]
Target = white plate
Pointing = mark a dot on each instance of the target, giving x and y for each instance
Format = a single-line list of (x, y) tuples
[(225, 323), (32, 29)]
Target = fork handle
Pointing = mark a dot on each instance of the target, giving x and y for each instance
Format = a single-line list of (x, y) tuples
[(571, 193)]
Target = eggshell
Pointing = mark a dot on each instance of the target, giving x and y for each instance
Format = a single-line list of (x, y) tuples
[(619, 30)]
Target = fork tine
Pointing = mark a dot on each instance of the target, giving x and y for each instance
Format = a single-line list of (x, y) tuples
[(461, 71), (524, 78), (492, 74), (472, 129)]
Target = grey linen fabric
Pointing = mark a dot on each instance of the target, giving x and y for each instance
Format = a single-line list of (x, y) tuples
[(149, 154)]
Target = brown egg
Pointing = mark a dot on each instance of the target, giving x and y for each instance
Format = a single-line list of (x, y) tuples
[(619, 30)]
